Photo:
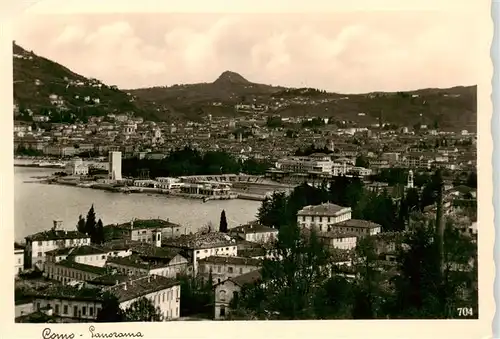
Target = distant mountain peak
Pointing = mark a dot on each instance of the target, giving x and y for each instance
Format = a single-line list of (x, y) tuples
[(229, 77)]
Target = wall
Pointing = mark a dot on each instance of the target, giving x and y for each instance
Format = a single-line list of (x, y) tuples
[(36, 249), (168, 300), (224, 293), (228, 250), (66, 274), (85, 310), (18, 261), (98, 260), (322, 222)]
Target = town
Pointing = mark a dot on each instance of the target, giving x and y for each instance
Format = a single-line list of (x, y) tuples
[(359, 201)]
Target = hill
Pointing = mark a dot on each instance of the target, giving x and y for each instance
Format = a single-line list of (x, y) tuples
[(44, 87), (48, 88), (451, 108)]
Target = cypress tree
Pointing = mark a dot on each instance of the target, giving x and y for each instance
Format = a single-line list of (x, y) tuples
[(80, 226), (90, 224), (223, 222)]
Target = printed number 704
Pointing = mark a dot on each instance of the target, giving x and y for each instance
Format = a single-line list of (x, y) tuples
[(465, 311)]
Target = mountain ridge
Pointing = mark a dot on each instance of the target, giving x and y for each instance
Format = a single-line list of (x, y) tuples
[(455, 106)]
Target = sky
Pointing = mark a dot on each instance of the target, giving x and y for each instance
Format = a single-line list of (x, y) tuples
[(349, 52)]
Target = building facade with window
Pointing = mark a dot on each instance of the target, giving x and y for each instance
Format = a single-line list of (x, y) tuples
[(255, 232), (320, 216), (68, 271), (88, 255), (37, 245), (226, 267), (226, 290), (164, 293), (18, 258)]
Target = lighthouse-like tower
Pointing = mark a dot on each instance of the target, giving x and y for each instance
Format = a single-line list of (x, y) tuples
[(410, 180)]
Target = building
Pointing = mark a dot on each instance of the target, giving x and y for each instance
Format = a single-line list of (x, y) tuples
[(68, 271), (321, 216), (77, 167), (217, 189), (18, 258), (199, 246), (228, 289), (82, 304), (317, 162), (88, 255), (358, 227), (160, 261), (40, 243), (339, 240), (164, 293), (223, 268), (150, 231), (255, 232), (115, 165)]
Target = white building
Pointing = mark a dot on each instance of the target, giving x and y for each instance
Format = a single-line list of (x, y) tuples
[(19, 258), (67, 271), (320, 216), (199, 246), (317, 162), (40, 243), (77, 167), (255, 232), (150, 231), (338, 240), (164, 293), (88, 255), (115, 165)]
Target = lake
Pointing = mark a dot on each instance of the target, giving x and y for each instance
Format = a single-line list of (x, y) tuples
[(36, 205)]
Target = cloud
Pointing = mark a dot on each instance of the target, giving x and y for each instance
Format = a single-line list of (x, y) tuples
[(353, 52)]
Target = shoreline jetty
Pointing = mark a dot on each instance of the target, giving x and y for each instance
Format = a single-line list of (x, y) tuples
[(242, 187)]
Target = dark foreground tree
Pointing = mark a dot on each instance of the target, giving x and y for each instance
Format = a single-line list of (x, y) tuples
[(143, 310), (90, 222), (97, 237), (110, 311), (223, 222), (80, 226)]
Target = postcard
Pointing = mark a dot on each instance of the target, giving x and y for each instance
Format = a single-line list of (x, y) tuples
[(280, 169)]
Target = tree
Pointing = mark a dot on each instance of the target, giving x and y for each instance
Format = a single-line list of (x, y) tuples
[(90, 222), (80, 226), (97, 237), (143, 310), (223, 222), (290, 278), (361, 161), (110, 311)]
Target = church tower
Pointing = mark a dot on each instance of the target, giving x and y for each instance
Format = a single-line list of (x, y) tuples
[(410, 180)]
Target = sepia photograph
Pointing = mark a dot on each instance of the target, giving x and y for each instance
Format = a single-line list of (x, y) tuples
[(246, 166)]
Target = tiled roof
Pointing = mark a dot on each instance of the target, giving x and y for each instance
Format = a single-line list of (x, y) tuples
[(227, 260), (112, 279), (18, 246), (142, 286), (252, 252), (148, 223), (200, 241), (119, 244), (326, 209), (56, 235), (134, 261), (70, 292), (253, 227), (82, 267), (336, 235), (77, 251), (357, 223), (247, 278), (147, 250)]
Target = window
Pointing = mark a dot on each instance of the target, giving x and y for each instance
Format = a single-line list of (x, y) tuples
[(177, 311), (197, 252), (230, 270), (218, 269), (222, 311), (39, 243), (56, 309), (312, 218), (328, 219), (38, 306), (320, 219), (241, 270), (84, 310), (65, 309), (19, 261), (39, 254), (227, 248), (222, 295), (303, 218), (103, 257), (206, 251), (163, 296)]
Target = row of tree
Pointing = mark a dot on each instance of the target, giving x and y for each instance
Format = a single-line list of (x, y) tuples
[(391, 211), (302, 283), (89, 226), (188, 161)]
